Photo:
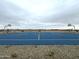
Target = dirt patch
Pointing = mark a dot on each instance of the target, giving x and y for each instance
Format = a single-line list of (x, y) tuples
[(39, 52)]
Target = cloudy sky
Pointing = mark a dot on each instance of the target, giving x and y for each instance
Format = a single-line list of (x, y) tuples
[(39, 13)]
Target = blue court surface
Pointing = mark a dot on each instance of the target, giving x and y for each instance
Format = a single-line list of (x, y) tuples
[(40, 38)]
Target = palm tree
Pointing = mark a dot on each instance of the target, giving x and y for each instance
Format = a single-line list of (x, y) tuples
[(8, 25), (71, 25)]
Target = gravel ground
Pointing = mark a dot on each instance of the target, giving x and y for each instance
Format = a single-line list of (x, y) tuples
[(39, 52)]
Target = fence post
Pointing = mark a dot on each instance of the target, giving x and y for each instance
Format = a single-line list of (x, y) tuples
[(39, 34)]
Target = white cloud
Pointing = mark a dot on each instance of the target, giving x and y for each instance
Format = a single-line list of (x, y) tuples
[(35, 12)]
